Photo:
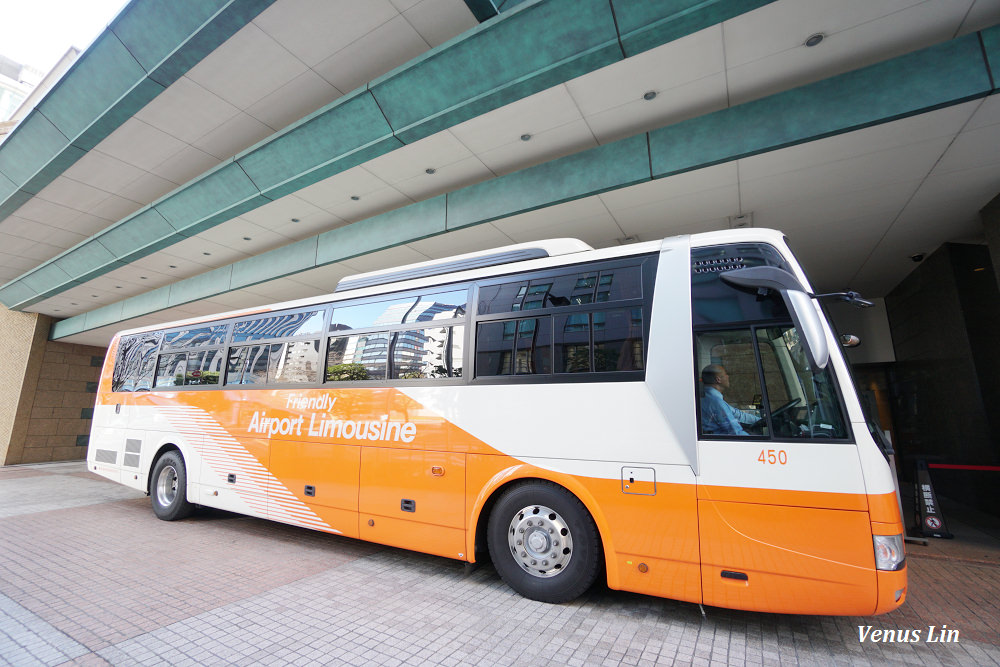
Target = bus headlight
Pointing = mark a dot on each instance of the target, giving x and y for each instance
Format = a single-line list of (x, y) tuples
[(889, 552)]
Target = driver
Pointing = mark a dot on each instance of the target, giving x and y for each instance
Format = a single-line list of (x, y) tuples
[(717, 416)]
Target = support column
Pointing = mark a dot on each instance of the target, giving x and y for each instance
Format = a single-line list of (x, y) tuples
[(22, 347)]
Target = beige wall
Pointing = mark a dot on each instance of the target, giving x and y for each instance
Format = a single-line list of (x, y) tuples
[(47, 392)]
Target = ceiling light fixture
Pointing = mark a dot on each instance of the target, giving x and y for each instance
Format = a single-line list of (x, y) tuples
[(650, 95), (813, 40)]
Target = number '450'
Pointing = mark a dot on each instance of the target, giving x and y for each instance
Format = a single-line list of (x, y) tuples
[(772, 456)]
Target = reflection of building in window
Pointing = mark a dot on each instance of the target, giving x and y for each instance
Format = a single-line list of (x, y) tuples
[(280, 326)]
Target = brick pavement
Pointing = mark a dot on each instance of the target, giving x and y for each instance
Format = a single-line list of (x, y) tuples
[(97, 580)]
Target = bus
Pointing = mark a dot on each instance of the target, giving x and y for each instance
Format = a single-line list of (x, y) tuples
[(673, 417)]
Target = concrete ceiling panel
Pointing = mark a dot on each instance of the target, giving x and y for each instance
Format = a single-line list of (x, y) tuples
[(187, 111), (294, 100), (313, 30), (534, 115), (248, 67), (385, 48), (548, 144)]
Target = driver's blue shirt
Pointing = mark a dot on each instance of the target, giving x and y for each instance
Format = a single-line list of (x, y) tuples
[(720, 418)]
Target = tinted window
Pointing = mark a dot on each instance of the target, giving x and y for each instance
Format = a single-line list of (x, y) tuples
[(413, 308), (279, 326), (204, 367), (135, 362), (427, 353), (716, 302), (170, 370), (618, 340), (567, 289), (495, 348), (533, 346), (198, 337), (621, 283), (294, 362), (572, 343), (248, 365), (363, 357)]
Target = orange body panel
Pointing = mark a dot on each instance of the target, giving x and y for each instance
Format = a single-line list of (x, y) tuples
[(332, 470), (434, 481), (796, 559), (857, 502)]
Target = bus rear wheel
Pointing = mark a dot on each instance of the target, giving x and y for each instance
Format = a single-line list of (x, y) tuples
[(543, 542), (168, 488)]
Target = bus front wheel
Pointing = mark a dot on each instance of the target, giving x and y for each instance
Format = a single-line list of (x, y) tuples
[(168, 488), (543, 542)]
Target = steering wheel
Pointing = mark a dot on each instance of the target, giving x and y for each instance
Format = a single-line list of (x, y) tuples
[(786, 407)]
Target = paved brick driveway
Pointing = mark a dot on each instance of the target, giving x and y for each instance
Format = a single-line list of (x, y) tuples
[(88, 576)]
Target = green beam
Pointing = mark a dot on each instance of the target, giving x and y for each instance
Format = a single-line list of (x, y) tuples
[(530, 48), (937, 77), (146, 48)]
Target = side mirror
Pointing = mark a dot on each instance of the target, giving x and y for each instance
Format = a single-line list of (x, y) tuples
[(797, 300)]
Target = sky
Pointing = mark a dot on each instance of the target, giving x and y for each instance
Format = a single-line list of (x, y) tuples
[(38, 32)]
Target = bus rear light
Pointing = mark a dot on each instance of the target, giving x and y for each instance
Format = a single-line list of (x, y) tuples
[(889, 553)]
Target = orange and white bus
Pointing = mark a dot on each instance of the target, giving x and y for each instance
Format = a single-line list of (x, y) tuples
[(673, 416)]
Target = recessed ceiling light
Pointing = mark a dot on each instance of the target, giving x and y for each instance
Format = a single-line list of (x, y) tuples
[(525, 137), (430, 170), (650, 95), (355, 198), (813, 40)]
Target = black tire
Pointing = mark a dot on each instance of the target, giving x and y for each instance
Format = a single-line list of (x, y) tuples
[(168, 488), (554, 523)]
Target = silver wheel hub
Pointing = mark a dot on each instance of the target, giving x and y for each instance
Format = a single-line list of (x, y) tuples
[(166, 486), (540, 541)]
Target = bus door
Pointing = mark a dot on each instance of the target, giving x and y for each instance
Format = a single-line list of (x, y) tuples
[(782, 509)]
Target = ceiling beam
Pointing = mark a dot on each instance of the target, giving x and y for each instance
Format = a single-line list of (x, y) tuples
[(531, 48), (940, 76)]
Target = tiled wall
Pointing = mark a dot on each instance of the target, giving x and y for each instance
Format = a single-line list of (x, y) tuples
[(59, 425), (47, 392)]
